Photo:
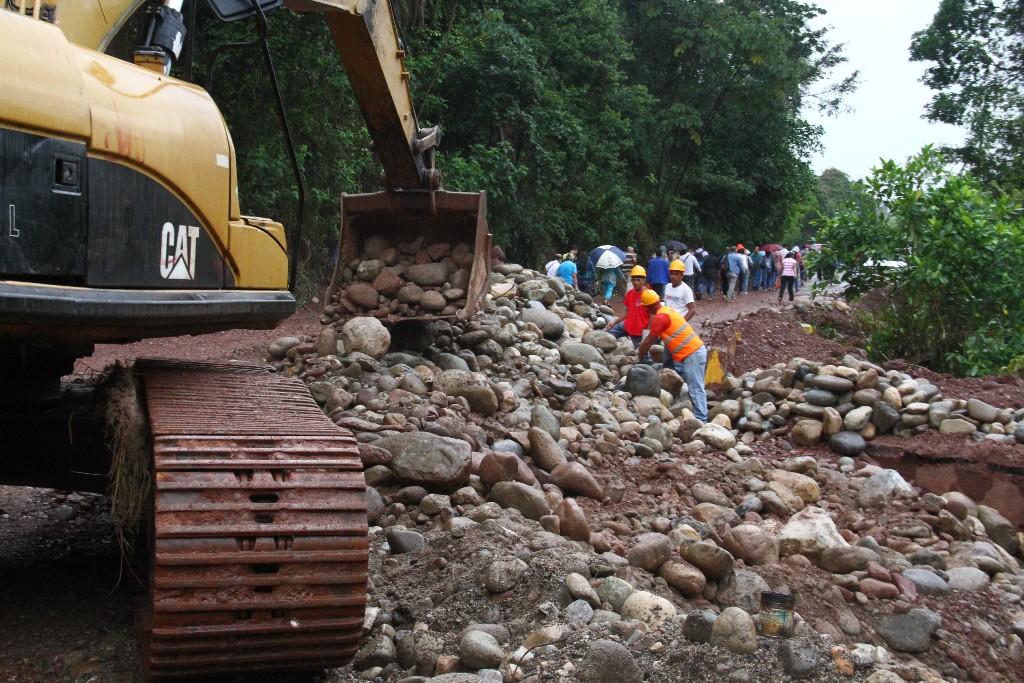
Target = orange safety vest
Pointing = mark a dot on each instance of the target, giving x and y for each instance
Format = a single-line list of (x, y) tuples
[(679, 338)]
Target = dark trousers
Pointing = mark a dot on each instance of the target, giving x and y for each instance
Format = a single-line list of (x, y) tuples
[(788, 281)]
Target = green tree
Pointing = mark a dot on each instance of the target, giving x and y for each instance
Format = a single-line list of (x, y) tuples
[(723, 155), (945, 251), (976, 50), (538, 111), (834, 188)]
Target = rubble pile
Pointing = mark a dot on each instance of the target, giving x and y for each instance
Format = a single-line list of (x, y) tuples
[(411, 280), (544, 508)]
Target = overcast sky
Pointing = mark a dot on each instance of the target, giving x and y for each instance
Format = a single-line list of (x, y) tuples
[(887, 107)]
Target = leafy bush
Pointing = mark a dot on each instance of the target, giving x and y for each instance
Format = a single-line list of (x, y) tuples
[(948, 250)]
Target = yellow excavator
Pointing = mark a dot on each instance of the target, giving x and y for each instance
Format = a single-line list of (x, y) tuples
[(120, 221)]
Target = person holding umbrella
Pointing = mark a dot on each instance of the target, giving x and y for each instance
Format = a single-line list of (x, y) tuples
[(608, 260)]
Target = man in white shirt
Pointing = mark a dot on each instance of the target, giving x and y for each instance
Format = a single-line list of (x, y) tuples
[(678, 294), (692, 269), (551, 267)]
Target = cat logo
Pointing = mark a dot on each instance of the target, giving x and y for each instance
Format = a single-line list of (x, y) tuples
[(178, 252)]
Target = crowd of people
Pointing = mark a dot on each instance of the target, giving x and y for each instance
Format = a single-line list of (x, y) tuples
[(661, 298)]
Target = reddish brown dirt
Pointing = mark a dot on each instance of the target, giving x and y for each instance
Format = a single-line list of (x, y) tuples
[(69, 623), (239, 345)]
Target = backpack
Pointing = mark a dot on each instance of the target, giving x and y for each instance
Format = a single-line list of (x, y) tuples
[(724, 265)]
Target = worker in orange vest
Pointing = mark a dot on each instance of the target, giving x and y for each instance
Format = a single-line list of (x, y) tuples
[(684, 351)]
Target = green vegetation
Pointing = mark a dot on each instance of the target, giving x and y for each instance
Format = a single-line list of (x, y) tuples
[(585, 121), (976, 66), (958, 302)]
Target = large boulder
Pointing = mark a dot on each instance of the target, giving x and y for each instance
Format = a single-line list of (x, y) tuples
[(431, 461), (473, 386), (809, 532), (366, 335)]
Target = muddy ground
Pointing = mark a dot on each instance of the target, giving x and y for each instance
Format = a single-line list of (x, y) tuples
[(65, 605)]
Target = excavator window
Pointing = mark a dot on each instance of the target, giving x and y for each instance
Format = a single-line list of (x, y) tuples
[(232, 10)]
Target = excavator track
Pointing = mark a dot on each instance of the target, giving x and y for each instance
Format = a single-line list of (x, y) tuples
[(258, 537)]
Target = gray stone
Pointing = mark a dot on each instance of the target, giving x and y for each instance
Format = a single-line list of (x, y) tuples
[(642, 380), (526, 499), (418, 649), (578, 613), (367, 335), (448, 361), (714, 562), (911, 631), (956, 425), (820, 397), (967, 579), (480, 650), (547, 454), (404, 541), (846, 559), (833, 383), (551, 326), (999, 529), (502, 575), (650, 551), (799, 657), (473, 386), (879, 490), (543, 418), (884, 416), (735, 631), (716, 436), (857, 418), (577, 353), (278, 348), (742, 588), (699, 625), (847, 443), (379, 651), (981, 411), (608, 662), (614, 591), (434, 462)]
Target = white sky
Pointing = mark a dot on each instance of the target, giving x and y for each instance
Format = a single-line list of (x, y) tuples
[(887, 107)]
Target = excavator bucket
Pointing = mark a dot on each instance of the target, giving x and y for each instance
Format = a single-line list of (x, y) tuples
[(445, 229)]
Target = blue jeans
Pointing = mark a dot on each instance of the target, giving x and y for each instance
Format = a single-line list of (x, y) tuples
[(732, 279), (707, 285), (619, 331), (692, 369), (760, 276), (745, 280)]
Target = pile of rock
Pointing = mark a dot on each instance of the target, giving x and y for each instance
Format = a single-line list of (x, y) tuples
[(850, 403), (543, 508), (409, 280)]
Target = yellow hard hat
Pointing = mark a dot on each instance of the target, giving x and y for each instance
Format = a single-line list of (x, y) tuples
[(638, 271), (677, 265), (649, 297)]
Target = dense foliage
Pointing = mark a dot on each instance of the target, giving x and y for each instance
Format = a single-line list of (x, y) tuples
[(945, 249), (588, 121), (976, 51)]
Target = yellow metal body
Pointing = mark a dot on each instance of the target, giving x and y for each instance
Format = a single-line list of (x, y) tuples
[(164, 128)]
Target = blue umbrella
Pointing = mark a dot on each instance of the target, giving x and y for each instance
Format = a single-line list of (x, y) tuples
[(607, 257)]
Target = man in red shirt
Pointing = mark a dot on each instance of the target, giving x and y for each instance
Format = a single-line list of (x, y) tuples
[(684, 351), (634, 321)]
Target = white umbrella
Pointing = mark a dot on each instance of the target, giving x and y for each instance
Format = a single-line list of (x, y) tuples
[(607, 256)]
